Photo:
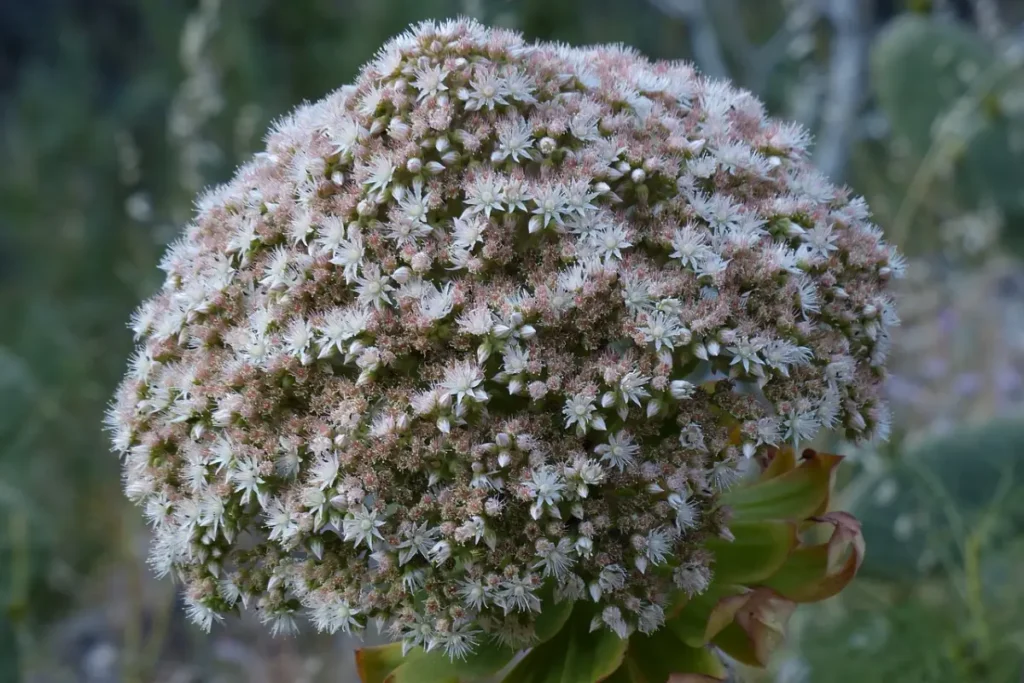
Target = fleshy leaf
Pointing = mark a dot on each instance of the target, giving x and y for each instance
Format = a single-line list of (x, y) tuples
[(436, 667), (758, 629), (820, 571), (660, 657), (385, 664), (794, 495), (375, 663), (573, 655), (804, 570), (757, 551), (781, 460), (623, 674), (677, 601), (706, 614), (552, 617), (698, 664)]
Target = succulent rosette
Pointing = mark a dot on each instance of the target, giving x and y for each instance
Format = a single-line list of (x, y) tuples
[(509, 348)]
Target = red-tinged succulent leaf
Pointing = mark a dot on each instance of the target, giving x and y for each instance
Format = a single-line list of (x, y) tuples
[(832, 464), (821, 571), (847, 533), (758, 629), (658, 657), (707, 614), (757, 551), (794, 495), (374, 664), (800, 577), (780, 461), (574, 655)]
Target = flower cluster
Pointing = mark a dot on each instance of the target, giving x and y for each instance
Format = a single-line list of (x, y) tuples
[(494, 326)]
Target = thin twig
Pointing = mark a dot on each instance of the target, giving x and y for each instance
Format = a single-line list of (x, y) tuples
[(733, 37), (986, 16), (712, 40), (706, 49), (767, 58), (846, 84)]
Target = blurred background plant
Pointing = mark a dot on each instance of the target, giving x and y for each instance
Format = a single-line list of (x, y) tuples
[(114, 113)]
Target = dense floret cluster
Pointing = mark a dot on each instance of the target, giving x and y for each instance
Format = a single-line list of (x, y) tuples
[(495, 325)]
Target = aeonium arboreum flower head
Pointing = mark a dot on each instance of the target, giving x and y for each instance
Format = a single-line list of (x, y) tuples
[(495, 329)]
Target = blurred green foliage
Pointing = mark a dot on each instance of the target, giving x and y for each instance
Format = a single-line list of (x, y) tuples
[(939, 595), (915, 638), (109, 133), (954, 101), (918, 514)]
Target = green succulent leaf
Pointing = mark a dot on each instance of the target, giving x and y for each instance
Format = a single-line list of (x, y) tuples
[(373, 664), (781, 460), (757, 551), (573, 655), (435, 667), (552, 617), (793, 495), (661, 657), (385, 664), (705, 615), (759, 628), (820, 571)]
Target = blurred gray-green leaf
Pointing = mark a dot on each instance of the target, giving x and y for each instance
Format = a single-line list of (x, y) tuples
[(916, 516), (952, 98)]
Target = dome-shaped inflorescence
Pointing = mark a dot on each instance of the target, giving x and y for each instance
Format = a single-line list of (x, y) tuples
[(495, 324)]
